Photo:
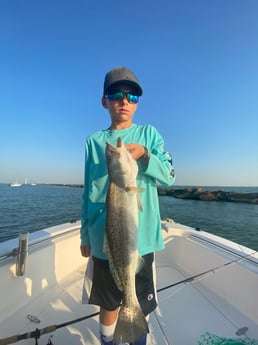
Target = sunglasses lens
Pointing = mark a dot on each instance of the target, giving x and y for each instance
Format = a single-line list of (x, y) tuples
[(117, 96), (132, 98)]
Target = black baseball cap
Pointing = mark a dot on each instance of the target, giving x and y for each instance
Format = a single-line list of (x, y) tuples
[(122, 75)]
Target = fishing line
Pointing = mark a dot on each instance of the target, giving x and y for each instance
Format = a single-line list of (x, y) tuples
[(38, 332), (202, 274)]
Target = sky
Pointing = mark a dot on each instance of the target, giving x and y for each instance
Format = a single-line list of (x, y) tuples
[(197, 61)]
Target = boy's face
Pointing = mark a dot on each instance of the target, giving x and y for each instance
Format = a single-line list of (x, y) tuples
[(121, 111)]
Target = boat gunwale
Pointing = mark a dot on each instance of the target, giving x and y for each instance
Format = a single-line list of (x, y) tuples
[(222, 244), (246, 254), (38, 238)]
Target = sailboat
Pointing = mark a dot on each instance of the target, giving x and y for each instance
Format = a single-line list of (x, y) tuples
[(15, 184)]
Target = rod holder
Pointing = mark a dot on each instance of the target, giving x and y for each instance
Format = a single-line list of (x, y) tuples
[(22, 254)]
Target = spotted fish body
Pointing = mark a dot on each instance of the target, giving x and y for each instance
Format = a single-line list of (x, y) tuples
[(120, 243)]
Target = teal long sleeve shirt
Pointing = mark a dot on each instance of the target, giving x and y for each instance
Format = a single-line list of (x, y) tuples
[(159, 169)]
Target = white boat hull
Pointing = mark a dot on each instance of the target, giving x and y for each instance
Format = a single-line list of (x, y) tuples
[(222, 301)]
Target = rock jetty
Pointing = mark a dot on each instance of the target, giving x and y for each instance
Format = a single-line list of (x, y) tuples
[(66, 185), (207, 195)]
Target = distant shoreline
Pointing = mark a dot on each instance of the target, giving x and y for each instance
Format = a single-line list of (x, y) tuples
[(66, 185), (206, 195), (194, 194)]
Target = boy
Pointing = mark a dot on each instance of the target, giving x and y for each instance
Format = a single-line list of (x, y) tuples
[(120, 97)]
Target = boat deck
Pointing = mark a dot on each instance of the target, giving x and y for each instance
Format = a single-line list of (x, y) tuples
[(53, 291), (184, 304), (195, 307)]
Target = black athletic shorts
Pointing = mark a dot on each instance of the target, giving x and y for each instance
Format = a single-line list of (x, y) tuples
[(105, 293)]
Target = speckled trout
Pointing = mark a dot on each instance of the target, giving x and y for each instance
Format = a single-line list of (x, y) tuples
[(120, 244)]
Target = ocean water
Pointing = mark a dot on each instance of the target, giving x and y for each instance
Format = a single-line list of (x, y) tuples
[(31, 208)]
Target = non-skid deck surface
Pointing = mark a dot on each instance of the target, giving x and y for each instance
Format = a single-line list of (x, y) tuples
[(184, 313)]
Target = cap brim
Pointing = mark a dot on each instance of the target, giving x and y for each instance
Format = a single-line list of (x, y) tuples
[(136, 87)]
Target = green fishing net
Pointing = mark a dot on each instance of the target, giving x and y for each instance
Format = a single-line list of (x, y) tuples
[(212, 339)]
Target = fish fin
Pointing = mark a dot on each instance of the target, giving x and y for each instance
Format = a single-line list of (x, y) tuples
[(132, 189), (106, 245), (137, 191), (139, 203), (131, 325), (140, 263), (113, 270)]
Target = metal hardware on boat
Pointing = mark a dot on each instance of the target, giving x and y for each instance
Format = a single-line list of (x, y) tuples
[(33, 318), (22, 254), (50, 340), (242, 331)]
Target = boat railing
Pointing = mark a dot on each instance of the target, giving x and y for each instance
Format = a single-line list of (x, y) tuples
[(247, 254), (10, 248)]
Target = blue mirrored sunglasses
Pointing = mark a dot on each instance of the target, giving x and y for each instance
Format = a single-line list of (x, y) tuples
[(118, 95)]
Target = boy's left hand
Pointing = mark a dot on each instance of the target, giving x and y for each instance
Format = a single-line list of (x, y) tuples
[(136, 150)]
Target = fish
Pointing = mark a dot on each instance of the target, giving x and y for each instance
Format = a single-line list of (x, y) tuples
[(120, 242)]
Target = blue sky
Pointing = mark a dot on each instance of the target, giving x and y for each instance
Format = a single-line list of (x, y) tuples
[(196, 60)]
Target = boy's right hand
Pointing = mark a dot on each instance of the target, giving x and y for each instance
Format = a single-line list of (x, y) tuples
[(85, 250)]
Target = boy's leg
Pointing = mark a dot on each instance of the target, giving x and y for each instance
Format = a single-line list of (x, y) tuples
[(107, 317), (107, 323), (105, 293)]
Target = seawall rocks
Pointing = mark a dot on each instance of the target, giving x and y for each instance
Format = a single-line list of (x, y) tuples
[(204, 195)]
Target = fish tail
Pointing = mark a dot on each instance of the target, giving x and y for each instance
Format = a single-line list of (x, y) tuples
[(131, 325)]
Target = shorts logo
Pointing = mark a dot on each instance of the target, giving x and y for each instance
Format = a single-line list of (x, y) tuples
[(150, 297)]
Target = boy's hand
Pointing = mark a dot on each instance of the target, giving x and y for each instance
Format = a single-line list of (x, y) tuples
[(136, 150), (85, 251)]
